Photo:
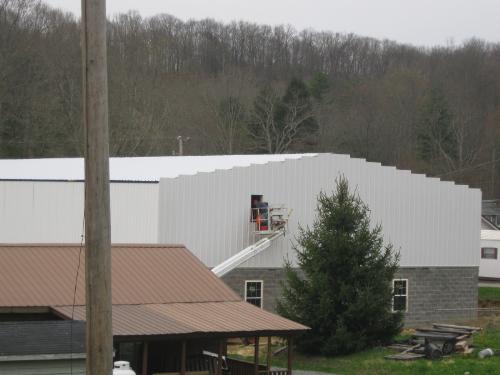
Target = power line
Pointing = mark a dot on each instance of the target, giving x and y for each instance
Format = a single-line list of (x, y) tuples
[(74, 294)]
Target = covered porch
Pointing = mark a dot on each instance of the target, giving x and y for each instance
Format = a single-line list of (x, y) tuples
[(198, 356), (192, 338)]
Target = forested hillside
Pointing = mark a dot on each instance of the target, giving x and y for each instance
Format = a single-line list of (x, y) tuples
[(246, 88)]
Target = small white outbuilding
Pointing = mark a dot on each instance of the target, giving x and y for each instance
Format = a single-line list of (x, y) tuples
[(489, 267)]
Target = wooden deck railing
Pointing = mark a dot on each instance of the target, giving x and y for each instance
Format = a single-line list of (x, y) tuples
[(239, 367), (278, 372)]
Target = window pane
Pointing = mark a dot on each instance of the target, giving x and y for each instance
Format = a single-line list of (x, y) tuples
[(255, 301), (399, 303), (400, 287), (254, 289), (489, 253), (254, 293)]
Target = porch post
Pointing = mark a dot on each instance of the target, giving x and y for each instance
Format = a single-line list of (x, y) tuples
[(290, 344), (256, 355), (269, 355), (219, 359), (183, 357), (145, 358)]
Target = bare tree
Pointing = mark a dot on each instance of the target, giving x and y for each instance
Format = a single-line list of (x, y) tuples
[(278, 123)]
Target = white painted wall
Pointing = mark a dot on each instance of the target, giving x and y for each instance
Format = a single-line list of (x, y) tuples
[(52, 212), (432, 223), (490, 267)]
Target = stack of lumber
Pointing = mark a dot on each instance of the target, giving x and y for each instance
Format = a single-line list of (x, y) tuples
[(440, 339), (406, 352), (463, 336)]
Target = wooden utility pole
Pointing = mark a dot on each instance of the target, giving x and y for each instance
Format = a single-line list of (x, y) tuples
[(97, 210)]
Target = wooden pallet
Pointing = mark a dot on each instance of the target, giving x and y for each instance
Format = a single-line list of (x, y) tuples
[(405, 356)]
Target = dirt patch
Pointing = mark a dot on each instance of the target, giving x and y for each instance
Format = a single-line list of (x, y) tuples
[(487, 304), (245, 347)]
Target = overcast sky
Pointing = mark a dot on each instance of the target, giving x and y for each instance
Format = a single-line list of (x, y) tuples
[(420, 22)]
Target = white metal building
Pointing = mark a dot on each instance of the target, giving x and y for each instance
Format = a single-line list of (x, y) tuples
[(205, 203), (41, 200), (489, 267), (432, 222), (435, 225), (52, 212)]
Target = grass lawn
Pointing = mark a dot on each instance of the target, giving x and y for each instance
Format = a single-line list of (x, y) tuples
[(372, 362), (489, 294)]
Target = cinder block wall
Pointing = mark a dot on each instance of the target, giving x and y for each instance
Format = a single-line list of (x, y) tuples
[(440, 294), (435, 294), (272, 278)]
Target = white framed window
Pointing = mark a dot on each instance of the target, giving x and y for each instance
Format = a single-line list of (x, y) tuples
[(254, 292), (400, 295), (489, 253)]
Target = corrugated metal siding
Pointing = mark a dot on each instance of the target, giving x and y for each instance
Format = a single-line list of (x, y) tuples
[(432, 223), (22, 338), (49, 367), (52, 212)]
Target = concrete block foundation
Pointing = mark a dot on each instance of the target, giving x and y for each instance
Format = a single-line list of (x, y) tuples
[(435, 294)]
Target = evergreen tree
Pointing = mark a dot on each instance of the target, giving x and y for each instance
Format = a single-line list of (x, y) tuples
[(319, 86), (343, 289)]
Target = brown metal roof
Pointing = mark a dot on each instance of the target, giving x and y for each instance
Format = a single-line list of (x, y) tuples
[(224, 318), (44, 275), (157, 290)]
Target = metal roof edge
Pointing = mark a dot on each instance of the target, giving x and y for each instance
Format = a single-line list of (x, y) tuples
[(218, 170), (398, 170), (42, 357), (132, 245), (78, 181)]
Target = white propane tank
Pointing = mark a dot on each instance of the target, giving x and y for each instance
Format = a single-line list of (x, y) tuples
[(122, 368)]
